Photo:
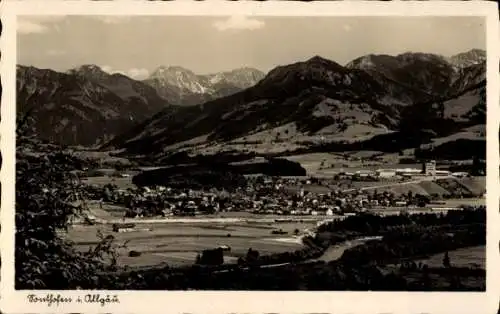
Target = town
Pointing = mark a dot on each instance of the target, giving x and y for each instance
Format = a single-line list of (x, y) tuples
[(288, 196)]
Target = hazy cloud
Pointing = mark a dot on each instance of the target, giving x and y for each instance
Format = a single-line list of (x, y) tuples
[(135, 73), (36, 24), (107, 68), (239, 22), (138, 73)]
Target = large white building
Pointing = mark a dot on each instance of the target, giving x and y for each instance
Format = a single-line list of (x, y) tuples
[(429, 168), (386, 173), (408, 171)]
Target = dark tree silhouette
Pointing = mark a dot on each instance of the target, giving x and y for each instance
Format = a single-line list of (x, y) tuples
[(446, 260), (45, 197)]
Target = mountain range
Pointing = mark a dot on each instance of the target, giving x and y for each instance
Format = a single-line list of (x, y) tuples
[(318, 99), (291, 107), (85, 106), (88, 106), (184, 88)]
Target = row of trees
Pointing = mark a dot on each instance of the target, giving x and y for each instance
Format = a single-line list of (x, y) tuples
[(372, 225), (414, 243), (309, 276)]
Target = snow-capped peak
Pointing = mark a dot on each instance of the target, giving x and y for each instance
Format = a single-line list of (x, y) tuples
[(242, 77), (189, 82), (179, 77)]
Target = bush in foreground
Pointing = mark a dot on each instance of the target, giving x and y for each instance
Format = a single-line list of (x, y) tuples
[(45, 195)]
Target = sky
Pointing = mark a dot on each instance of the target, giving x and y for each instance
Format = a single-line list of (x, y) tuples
[(137, 45)]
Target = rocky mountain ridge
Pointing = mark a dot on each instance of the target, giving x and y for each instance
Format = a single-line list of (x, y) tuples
[(184, 88), (318, 99), (308, 101), (468, 58), (85, 106)]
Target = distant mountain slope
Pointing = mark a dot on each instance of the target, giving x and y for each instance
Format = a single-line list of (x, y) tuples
[(424, 76), (321, 97), (130, 90), (447, 115), (428, 73), (468, 58), (185, 88), (312, 94), (85, 106), (240, 78)]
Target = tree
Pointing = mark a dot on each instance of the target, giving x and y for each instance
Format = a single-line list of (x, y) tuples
[(478, 166), (410, 196), (241, 261), (440, 110), (45, 205), (426, 280), (212, 257), (252, 256), (446, 260)]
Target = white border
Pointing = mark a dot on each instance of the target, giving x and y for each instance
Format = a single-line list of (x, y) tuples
[(253, 302)]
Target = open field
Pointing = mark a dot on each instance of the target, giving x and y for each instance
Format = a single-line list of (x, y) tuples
[(425, 186), (464, 201), (122, 183), (474, 185), (334, 163), (102, 156), (476, 132), (465, 257), (178, 244)]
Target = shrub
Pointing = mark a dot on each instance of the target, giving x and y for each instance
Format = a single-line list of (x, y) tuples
[(44, 207), (134, 253)]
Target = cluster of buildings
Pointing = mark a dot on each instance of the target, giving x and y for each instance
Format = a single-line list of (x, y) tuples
[(262, 195), (272, 196), (428, 170)]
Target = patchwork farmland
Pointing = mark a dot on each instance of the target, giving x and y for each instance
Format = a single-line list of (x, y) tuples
[(178, 244)]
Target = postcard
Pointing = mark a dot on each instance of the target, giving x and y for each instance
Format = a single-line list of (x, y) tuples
[(250, 157)]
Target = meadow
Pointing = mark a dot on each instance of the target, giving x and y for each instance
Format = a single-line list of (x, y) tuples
[(178, 244), (466, 257)]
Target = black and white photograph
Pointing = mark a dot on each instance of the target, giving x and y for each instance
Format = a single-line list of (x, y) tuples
[(250, 153), (243, 160)]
